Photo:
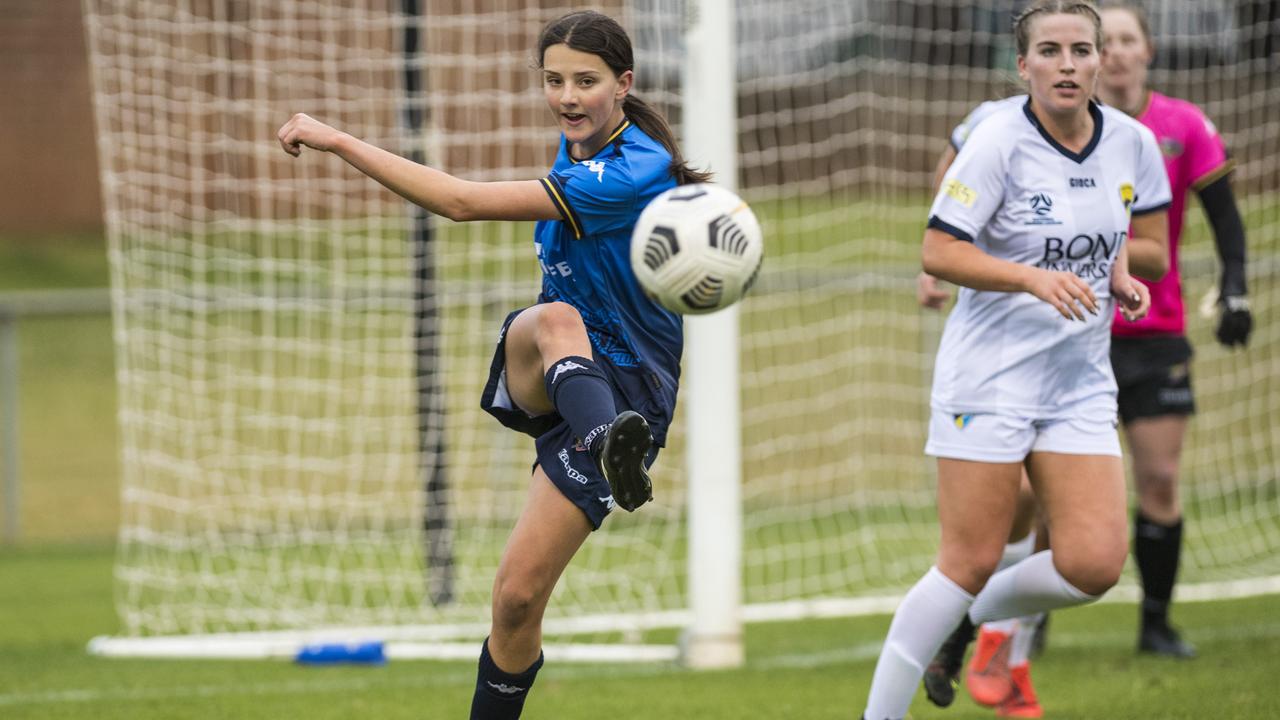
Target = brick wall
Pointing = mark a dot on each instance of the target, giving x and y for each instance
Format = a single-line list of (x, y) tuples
[(48, 159)]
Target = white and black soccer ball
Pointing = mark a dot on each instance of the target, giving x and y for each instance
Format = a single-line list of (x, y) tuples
[(696, 248)]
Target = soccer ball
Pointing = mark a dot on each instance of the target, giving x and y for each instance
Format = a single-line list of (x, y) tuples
[(696, 248)]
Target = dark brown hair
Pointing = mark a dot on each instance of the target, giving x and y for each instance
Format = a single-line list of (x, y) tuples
[(591, 32), (1022, 23)]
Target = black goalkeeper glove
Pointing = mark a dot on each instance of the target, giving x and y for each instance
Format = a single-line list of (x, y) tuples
[(1236, 322)]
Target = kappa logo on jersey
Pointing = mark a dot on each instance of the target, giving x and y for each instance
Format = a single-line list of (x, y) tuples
[(597, 167), (565, 367), (570, 470), (963, 420), (960, 192), (1042, 205), (1126, 196), (504, 688)]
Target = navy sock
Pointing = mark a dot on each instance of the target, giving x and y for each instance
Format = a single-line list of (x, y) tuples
[(1156, 549), (580, 392), (500, 695)]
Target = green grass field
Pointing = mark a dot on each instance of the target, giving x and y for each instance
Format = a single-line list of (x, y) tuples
[(53, 599)]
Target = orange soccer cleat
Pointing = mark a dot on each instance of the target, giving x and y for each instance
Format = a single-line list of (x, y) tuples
[(1021, 702), (988, 675)]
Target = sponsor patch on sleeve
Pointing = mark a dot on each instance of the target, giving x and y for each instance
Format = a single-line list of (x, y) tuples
[(960, 192)]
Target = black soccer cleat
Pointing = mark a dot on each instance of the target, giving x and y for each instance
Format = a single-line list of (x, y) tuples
[(621, 457), (1164, 640), (1040, 638), (942, 676)]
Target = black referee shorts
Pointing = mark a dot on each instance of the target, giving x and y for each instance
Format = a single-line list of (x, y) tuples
[(1153, 375)]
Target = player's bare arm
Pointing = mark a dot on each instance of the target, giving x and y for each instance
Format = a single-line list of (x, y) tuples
[(1149, 245), (1133, 297), (962, 263), (437, 191), (928, 293)]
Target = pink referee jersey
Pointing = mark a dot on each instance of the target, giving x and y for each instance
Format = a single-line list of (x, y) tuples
[(1194, 157)]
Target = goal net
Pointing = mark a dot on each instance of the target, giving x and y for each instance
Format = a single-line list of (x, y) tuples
[(300, 354)]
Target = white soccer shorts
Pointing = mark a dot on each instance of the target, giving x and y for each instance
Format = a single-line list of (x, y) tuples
[(998, 438)]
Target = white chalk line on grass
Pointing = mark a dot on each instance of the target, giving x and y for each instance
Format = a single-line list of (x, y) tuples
[(453, 678)]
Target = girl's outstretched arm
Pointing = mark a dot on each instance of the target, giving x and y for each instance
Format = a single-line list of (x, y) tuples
[(437, 191)]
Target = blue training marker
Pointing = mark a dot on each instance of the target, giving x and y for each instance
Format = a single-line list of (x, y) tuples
[(355, 653)]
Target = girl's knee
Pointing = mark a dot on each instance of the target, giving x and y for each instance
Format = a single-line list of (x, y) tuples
[(969, 570), (1092, 573), (516, 605), (558, 317)]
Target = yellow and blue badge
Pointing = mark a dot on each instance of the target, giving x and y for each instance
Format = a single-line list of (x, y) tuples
[(962, 421), (960, 192), (1126, 196)]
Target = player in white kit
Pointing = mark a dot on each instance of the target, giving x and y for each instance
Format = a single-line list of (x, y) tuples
[(1033, 221)]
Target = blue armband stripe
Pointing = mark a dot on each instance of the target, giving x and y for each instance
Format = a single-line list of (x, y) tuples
[(938, 223), (1154, 208)]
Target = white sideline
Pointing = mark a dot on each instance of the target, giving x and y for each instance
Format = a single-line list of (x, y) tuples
[(431, 642), (195, 647)]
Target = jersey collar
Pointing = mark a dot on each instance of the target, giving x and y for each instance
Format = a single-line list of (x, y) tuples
[(1081, 156), (622, 126)]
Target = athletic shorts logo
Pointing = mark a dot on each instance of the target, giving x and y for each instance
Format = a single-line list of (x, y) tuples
[(960, 192), (962, 421), (504, 688), (569, 470), (608, 502), (565, 367)]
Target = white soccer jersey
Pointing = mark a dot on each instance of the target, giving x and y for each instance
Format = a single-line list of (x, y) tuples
[(977, 115), (1019, 195)]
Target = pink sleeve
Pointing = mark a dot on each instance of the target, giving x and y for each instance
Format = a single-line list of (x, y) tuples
[(1206, 155)]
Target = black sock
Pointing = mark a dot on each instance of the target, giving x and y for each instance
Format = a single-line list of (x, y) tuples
[(578, 389), (1156, 549), (500, 695)]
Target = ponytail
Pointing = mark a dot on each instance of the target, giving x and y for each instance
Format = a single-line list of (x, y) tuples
[(656, 127)]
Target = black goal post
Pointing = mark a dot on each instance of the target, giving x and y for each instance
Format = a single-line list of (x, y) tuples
[(436, 521)]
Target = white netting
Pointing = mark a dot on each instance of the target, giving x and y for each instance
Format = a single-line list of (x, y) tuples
[(271, 351)]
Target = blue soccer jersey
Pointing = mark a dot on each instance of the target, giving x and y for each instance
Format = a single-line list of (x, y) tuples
[(586, 255)]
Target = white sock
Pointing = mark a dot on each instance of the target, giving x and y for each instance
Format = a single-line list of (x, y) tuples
[(1017, 551), (1024, 633), (1014, 553), (1008, 627), (1033, 585), (927, 615)]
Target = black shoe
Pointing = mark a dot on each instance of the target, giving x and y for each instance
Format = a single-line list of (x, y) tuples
[(942, 677), (621, 457), (1040, 638), (1164, 640)]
